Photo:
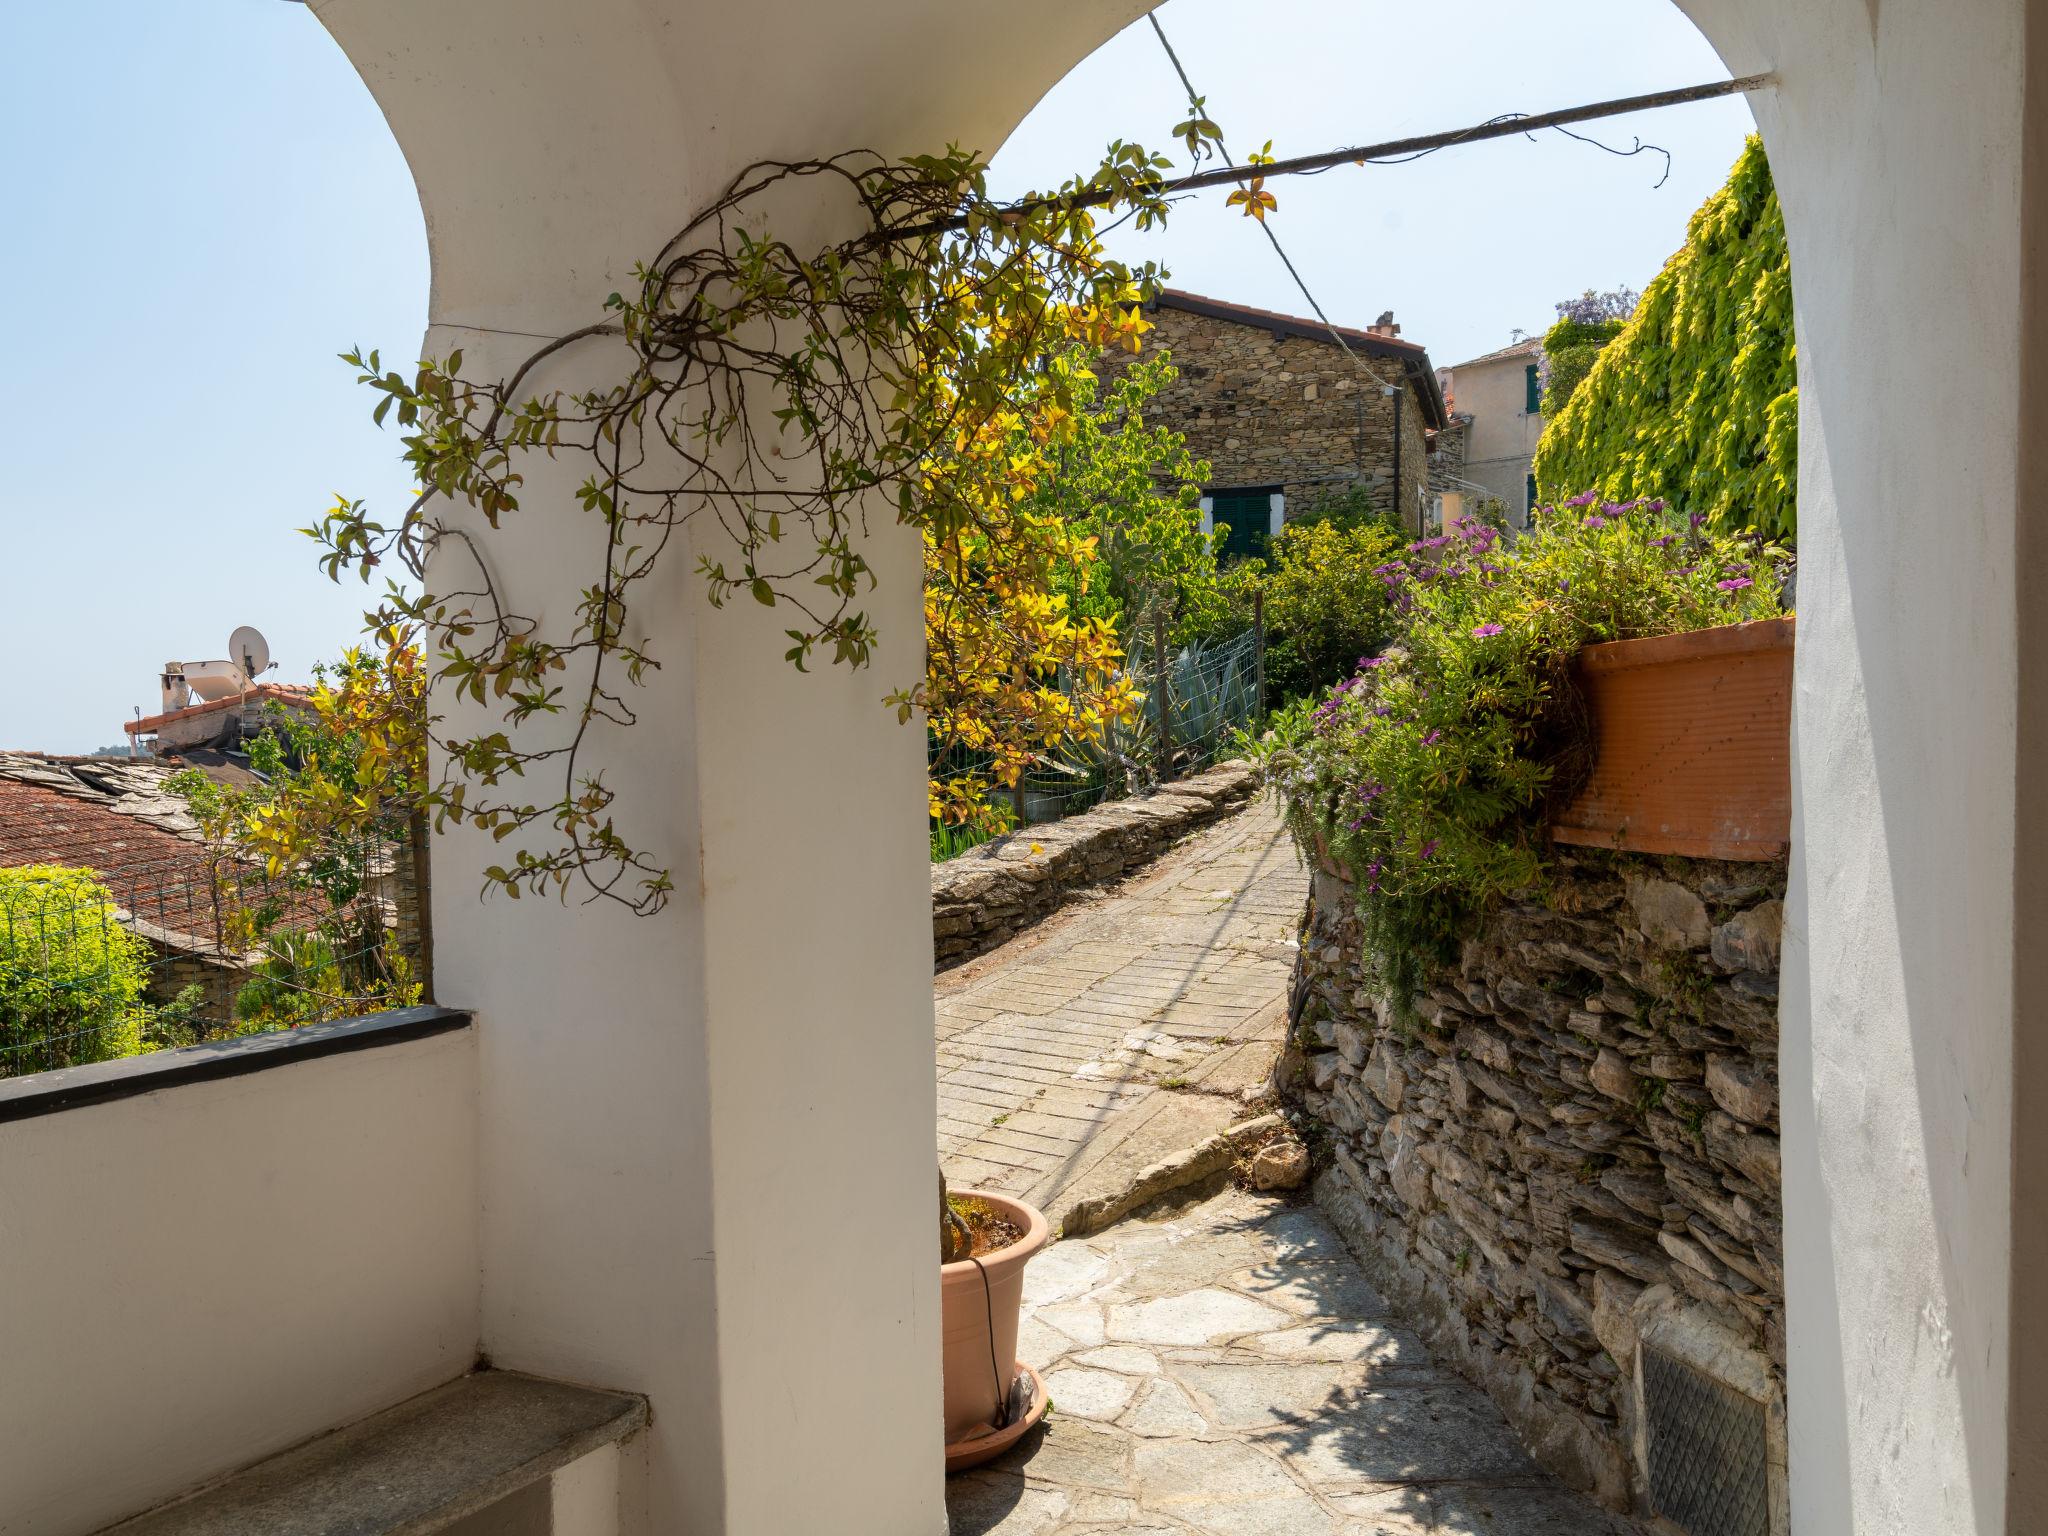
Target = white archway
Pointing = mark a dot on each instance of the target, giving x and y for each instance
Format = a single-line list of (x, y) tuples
[(655, 1102)]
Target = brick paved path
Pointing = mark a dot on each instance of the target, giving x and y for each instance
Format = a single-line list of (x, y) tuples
[(1122, 1027)]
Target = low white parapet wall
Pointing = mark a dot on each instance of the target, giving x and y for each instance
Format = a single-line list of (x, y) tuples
[(209, 1254)]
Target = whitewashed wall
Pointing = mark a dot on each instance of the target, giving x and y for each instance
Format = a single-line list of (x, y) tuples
[(196, 1277)]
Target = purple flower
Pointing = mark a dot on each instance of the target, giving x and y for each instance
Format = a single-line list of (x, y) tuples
[(1698, 519), (1428, 848), (1487, 629), (1595, 520), (1583, 499), (1371, 661), (1432, 738), (1655, 504), (1733, 584), (1664, 541)]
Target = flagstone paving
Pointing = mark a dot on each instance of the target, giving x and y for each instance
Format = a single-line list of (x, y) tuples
[(1126, 1028), (1229, 1371)]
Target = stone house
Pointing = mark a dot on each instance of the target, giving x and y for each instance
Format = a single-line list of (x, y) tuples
[(1496, 405), (1284, 417)]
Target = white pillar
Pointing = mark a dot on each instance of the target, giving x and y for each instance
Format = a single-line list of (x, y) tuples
[(708, 1139), (1895, 137)]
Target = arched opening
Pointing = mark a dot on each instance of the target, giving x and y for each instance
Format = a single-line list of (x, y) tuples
[(659, 1119)]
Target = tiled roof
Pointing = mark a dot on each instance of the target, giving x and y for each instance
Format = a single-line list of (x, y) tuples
[(153, 873), (1528, 346), (289, 693), (115, 817), (1313, 329), (1413, 356)]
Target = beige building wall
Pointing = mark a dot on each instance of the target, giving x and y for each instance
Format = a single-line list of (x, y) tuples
[(1501, 441)]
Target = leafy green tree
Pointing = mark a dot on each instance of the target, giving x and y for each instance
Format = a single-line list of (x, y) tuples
[(341, 786), (1326, 605), (1585, 326), (1134, 489), (71, 977), (1697, 401)]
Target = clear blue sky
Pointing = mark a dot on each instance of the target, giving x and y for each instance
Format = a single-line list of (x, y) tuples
[(203, 206)]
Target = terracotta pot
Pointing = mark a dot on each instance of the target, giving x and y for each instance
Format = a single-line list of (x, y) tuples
[(975, 1360), (1692, 736)]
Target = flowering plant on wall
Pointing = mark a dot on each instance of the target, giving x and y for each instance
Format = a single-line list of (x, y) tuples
[(1427, 771)]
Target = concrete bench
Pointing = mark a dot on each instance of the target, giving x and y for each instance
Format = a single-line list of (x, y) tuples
[(494, 1454)]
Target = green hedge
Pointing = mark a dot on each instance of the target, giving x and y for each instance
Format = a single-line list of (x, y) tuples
[(71, 978), (1697, 400)]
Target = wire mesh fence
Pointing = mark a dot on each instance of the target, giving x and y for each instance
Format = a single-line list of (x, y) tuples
[(1197, 697), (202, 944)]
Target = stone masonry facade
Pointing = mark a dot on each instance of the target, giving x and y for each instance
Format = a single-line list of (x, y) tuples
[(1568, 1157), (1270, 400)]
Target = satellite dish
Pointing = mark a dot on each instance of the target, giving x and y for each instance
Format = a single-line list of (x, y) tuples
[(248, 650)]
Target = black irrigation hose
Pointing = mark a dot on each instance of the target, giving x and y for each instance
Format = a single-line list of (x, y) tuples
[(995, 1370)]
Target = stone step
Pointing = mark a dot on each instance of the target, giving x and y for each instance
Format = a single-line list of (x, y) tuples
[(426, 1465)]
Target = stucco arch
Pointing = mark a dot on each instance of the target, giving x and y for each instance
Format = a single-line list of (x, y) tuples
[(652, 1108)]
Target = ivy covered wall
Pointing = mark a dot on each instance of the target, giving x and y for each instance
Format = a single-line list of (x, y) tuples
[(1697, 400)]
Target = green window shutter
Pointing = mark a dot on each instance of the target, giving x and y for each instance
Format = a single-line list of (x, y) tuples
[(1533, 378), (1246, 514), (1530, 506)]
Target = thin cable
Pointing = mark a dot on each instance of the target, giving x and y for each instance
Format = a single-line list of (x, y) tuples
[(1194, 105)]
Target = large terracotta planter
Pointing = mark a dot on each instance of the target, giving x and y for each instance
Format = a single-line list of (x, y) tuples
[(979, 1306), (1692, 739)]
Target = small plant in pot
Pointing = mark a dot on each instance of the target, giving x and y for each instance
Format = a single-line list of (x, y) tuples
[(992, 1401)]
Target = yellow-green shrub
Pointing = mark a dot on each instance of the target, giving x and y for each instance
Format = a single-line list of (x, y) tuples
[(71, 977), (1697, 401)]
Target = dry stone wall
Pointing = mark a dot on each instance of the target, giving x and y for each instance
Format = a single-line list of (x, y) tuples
[(985, 895), (1571, 1147)]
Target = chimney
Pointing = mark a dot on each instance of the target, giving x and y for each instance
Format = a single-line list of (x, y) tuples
[(1384, 326)]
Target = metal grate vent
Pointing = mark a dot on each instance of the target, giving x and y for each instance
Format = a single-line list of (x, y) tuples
[(1707, 1451)]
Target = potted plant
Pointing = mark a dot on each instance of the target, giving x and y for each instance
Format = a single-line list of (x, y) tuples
[(992, 1401), (1602, 664), (1691, 744)]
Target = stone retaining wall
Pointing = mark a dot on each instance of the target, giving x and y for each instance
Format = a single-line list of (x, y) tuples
[(986, 894), (1571, 1149)]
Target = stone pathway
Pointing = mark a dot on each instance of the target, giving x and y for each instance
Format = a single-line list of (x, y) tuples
[(1229, 1371), (1127, 1027)]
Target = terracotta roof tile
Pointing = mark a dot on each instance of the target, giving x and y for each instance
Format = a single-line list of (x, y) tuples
[(296, 693), (1528, 346)]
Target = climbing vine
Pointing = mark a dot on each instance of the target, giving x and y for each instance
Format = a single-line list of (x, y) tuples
[(1697, 400), (928, 363)]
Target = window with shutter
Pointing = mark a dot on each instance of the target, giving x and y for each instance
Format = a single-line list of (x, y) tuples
[(1246, 514), (1534, 382)]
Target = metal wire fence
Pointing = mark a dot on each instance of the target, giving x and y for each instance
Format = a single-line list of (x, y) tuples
[(1197, 697), (200, 945)]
